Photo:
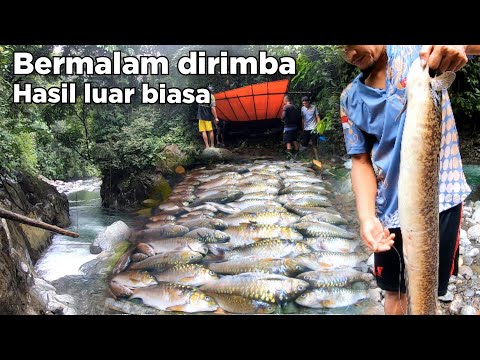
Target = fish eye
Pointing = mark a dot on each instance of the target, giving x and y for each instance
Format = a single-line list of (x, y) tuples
[(207, 298), (192, 257), (211, 272), (303, 295), (301, 288), (307, 277), (298, 267), (270, 308)]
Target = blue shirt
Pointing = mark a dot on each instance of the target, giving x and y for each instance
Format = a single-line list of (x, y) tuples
[(371, 124)]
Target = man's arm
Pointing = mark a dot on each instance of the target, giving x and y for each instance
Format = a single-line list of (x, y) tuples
[(214, 112), (364, 185)]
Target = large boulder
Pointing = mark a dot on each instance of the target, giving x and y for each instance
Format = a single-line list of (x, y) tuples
[(109, 237), (170, 157), (213, 155)]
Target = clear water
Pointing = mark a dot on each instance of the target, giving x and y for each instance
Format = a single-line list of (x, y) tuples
[(472, 174)]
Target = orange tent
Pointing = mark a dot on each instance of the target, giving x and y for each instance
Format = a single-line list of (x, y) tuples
[(252, 102)]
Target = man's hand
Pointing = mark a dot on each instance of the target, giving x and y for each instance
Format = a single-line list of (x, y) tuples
[(216, 121), (444, 57), (375, 236)]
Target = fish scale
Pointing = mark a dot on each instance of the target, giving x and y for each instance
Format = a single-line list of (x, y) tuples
[(271, 248), (331, 297), (334, 278), (319, 229)]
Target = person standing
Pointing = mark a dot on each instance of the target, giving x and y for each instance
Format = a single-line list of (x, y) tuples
[(206, 114), (310, 119), (290, 119)]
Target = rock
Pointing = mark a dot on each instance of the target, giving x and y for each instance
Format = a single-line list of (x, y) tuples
[(375, 294), (460, 261), (41, 283), (212, 155), (476, 216), (476, 205), (467, 261), (470, 222), (452, 279), (474, 233), (468, 310), (108, 238), (455, 306), (451, 287), (467, 211), (469, 293), (171, 157), (465, 271), (474, 252), (348, 164)]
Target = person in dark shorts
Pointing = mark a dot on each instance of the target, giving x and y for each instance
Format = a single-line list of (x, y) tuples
[(220, 130), (310, 119), (372, 120), (290, 118)]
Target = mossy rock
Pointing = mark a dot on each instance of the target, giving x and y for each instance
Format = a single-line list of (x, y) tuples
[(161, 190), (144, 212)]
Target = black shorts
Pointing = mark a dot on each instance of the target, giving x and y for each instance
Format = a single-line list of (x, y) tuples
[(307, 135), (387, 265), (290, 136)]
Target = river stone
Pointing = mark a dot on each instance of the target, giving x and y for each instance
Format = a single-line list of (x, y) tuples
[(109, 237), (476, 216), (217, 154), (469, 293), (474, 252), (474, 233), (456, 305), (468, 310), (465, 271)]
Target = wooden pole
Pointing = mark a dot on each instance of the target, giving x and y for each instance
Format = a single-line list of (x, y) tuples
[(10, 215)]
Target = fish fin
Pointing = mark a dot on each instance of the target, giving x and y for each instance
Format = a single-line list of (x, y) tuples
[(327, 303), (258, 239), (325, 265), (187, 279), (219, 311), (401, 112), (215, 250), (187, 208), (443, 81), (175, 308)]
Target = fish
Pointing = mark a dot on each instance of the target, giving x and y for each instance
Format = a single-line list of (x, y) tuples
[(186, 274), (164, 231), (259, 187), (242, 205), (249, 233), (292, 197), (331, 297), (138, 257), (213, 191), (418, 198), (122, 284), (270, 248), (166, 260), (271, 288), (221, 197), (240, 305), (333, 219), (308, 188), (306, 210), (208, 235), (172, 244), (316, 201), (175, 297), (159, 223), (163, 218), (334, 278), (205, 207), (262, 218), (322, 229), (286, 267), (334, 244), (272, 207), (227, 209), (217, 224), (257, 196), (328, 259)]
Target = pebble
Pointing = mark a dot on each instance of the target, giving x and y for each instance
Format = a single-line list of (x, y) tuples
[(469, 293), (455, 306), (476, 216), (465, 271), (451, 287), (468, 261), (474, 233), (474, 252), (468, 310)]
